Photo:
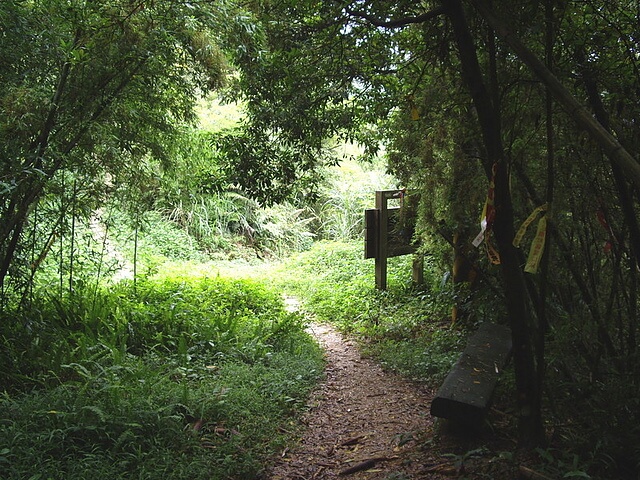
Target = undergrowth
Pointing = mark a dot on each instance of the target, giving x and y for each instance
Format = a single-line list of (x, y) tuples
[(406, 327), (177, 378)]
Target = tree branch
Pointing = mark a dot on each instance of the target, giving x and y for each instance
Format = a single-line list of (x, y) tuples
[(399, 22), (574, 109)]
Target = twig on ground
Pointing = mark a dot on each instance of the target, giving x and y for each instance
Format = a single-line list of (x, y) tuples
[(352, 440), (365, 465), (529, 474)]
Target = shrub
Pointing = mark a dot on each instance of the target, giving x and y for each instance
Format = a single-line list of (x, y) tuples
[(170, 378), (404, 327)]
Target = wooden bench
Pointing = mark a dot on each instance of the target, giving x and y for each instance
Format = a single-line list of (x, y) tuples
[(466, 393)]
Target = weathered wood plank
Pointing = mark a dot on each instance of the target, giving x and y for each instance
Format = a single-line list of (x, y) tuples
[(371, 232), (465, 394)]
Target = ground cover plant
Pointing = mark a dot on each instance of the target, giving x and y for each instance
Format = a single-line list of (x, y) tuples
[(407, 327), (165, 378)]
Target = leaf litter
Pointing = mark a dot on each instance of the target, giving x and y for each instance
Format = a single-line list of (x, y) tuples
[(361, 423)]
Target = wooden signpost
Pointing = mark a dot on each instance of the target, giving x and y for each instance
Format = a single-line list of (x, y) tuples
[(389, 233), (466, 393)]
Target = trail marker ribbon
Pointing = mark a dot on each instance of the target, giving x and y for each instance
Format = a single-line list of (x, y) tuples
[(602, 219), (537, 245), (487, 218)]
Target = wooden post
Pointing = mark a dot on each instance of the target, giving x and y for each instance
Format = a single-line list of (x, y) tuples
[(381, 258), (417, 270)]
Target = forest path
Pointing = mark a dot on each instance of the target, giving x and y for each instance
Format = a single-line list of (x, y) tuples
[(362, 423)]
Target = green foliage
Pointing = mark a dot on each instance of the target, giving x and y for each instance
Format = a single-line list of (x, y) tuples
[(221, 219), (227, 222), (156, 236), (562, 464), (216, 218), (203, 195), (284, 229), (347, 191), (215, 115), (106, 246), (597, 417), (176, 378), (391, 74), (426, 356), (99, 93), (404, 327), (214, 317), (95, 96), (136, 419), (334, 281), (267, 167)]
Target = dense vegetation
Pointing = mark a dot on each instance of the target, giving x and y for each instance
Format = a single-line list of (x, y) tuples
[(406, 327), (168, 378), (120, 172), (495, 112)]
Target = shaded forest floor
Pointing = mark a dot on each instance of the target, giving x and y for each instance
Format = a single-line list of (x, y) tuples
[(365, 423)]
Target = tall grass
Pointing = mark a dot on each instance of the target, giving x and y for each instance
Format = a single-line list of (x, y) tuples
[(285, 229), (227, 221), (349, 190), (216, 219), (224, 220)]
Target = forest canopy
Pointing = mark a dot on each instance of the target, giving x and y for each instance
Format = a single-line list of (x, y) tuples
[(498, 115), (522, 108)]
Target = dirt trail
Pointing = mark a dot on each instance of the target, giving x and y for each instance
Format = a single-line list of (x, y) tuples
[(361, 417)]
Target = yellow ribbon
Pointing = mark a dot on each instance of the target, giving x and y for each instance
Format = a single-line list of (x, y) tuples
[(537, 247), (523, 228)]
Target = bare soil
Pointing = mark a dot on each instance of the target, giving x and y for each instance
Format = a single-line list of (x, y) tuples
[(363, 423)]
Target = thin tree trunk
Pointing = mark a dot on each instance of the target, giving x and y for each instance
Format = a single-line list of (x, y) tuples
[(567, 253), (543, 323), (624, 193), (14, 217), (72, 254), (528, 395), (614, 150), (22, 199)]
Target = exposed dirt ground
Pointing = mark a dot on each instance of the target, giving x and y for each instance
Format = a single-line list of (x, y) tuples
[(363, 423)]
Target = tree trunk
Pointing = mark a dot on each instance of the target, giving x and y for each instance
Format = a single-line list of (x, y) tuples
[(528, 394), (614, 150), (624, 193)]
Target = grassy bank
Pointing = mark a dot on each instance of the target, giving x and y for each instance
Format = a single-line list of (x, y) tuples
[(407, 327), (173, 378)]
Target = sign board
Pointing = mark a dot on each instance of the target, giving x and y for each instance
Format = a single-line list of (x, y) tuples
[(399, 234), (389, 233)]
